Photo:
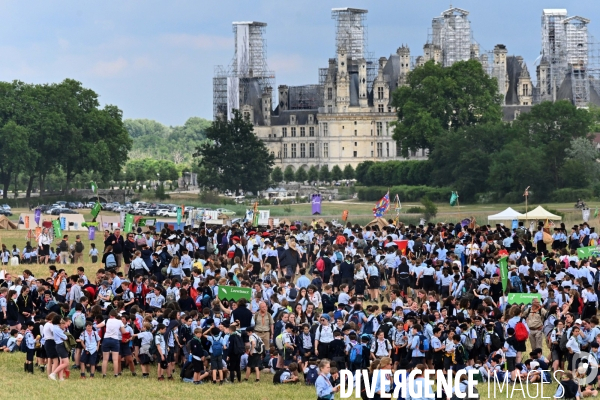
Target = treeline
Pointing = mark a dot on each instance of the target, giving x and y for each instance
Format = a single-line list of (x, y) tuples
[(57, 129), (548, 149)]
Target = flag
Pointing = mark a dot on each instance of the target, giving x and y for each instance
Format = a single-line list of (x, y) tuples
[(398, 205), (526, 193), (255, 214), (454, 199), (178, 215), (382, 205), (128, 226), (345, 215), (596, 212), (503, 263), (57, 230), (94, 187), (96, 210)]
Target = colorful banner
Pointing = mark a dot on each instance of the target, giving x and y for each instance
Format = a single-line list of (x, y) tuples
[(128, 225), (255, 214), (37, 216), (382, 206), (588, 252), (523, 298), (63, 223), (91, 232), (316, 203), (178, 215), (454, 199), (57, 230), (96, 210), (234, 293), (27, 222), (94, 187), (345, 216), (503, 264), (402, 245)]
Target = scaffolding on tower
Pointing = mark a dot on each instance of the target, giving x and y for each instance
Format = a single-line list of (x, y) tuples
[(248, 76)]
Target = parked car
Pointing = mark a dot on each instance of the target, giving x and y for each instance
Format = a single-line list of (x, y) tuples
[(60, 210), (225, 211), (61, 203), (79, 204), (68, 211), (170, 213), (188, 208), (71, 205), (51, 210), (5, 212), (6, 207)]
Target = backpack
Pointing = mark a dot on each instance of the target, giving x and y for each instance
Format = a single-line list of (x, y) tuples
[(210, 247), (78, 247), (368, 327), (141, 241), (23, 345), (311, 376), (356, 354), (217, 346), (320, 265), (386, 329), (479, 340), (277, 376), (153, 351), (338, 314), (63, 246), (563, 341), (111, 262), (357, 321), (468, 344), (279, 342), (236, 344), (515, 282), (260, 345), (170, 297), (496, 342), (521, 333), (293, 294), (423, 343), (79, 321)]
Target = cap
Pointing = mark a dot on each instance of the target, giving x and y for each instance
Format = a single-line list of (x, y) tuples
[(578, 321), (237, 238), (105, 283)]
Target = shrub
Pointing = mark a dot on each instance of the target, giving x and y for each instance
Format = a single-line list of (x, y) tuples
[(287, 209), (571, 195), (405, 193), (209, 197), (415, 210), (430, 208)]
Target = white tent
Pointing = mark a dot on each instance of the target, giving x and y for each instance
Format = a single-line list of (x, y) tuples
[(540, 214), (507, 215), (73, 222)]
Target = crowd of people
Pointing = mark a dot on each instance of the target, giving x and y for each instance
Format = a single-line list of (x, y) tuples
[(324, 299)]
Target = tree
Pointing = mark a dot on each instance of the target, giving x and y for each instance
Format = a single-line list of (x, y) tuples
[(581, 168), (288, 174), (336, 173), (324, 174), (429, 208), (362, 170), (301, 175), (313, 174), (437, 99), (551, 127), (277, 175), (348, 172), (233, 157)]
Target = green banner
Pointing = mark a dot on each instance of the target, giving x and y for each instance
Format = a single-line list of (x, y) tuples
[(587, 252), (178, 215), (57, 230), (503, 264), (96, 210), (128, 223), (234, 293), (523, 298)]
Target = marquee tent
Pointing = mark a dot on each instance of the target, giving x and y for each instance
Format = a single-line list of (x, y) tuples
[(6, 224), (507, 215), (540, 213)]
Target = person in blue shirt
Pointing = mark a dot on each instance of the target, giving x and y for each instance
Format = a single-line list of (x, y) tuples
[(417, 355), (59, 327), (325, 390), (303, 281), (385, 370)]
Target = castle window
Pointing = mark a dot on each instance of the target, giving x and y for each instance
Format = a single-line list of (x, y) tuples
[(284, 132), (379, 149), (525, 90), (380, 107), (246, 115), (302, 131), (379, 128), (293, 150), (285, 150), (329, 109), (325, 150), (329, 94), (325, 129), (387, 149), (380, 93), (293, 132), (311, 150), (356, 154), (302, 150), (311, 131)]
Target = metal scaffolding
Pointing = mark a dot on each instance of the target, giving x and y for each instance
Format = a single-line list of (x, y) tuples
[(236, 85), (451, 32)]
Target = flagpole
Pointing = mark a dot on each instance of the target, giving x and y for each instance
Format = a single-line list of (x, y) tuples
[(526, 194), (458, 205)]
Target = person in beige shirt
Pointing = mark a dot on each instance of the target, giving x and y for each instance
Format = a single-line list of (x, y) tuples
[(263, 323)]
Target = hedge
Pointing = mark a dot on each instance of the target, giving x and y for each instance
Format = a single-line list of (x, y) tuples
[(394, 173), (405, 193)]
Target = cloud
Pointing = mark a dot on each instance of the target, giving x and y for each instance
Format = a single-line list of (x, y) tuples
[(109, 68), (205, 42)]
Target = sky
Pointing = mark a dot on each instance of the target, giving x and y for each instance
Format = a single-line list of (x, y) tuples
[(156, 59)]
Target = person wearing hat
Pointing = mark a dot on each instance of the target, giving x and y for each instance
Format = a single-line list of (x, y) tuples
[(291, 259), (236, 250), (323, 337)]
